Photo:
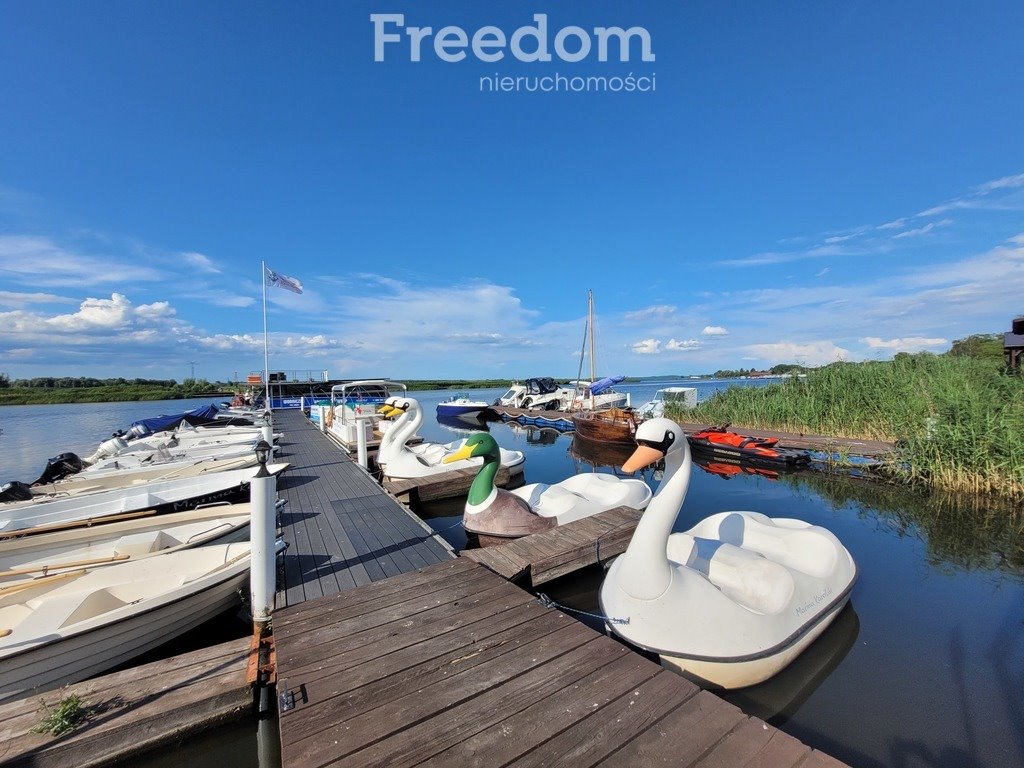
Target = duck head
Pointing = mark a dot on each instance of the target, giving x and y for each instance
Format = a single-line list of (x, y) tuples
[(484, 445)]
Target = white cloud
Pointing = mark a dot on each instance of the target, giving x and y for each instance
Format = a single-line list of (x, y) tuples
[(923, 230), (909, 344), (647, 347), (201, 262), (42, 262), (21, 300), (822, 272), (714, 330), (656, 312), (1006, 182), (683, 346), (896, 224)]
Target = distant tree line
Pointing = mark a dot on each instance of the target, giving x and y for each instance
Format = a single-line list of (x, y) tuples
[(775, 369), (69, 382)]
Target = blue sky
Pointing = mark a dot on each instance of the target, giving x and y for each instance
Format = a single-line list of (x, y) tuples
[(804, 183)]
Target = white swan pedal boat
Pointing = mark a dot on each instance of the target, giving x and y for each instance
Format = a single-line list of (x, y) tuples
[(734, 599), (74, 625), (402, 461)]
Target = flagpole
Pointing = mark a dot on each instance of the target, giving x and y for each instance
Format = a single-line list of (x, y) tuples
[(266, 354)]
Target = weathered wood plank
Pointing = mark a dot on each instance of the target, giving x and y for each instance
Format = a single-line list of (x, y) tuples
[(134, 710), (683, 736), (592, 739), (375, 683), (519, 733)]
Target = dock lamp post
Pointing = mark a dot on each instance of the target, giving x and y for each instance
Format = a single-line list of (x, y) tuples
[(262, 529), (267, 428)]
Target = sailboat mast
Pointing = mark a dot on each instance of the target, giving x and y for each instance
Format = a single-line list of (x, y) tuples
[(590, 324)]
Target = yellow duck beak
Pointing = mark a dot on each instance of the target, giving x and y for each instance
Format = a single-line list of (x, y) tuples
[(465, 452), (642, 457)]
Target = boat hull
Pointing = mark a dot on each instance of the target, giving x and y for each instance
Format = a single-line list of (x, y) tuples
[(83, 655), (616, 427), (729, 674)]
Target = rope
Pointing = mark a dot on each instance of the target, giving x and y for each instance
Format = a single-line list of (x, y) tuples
[(456, 524), (547, 602)]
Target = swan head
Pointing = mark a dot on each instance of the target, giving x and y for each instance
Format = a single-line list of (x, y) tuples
[(657, 439), (477, 444)]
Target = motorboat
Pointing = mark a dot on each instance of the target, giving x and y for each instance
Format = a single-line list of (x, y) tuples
[(461, 405), (401, 461), (495, 514), (42, 555), (163, 496), (142, 458), (356, 407), (679, 397), (91, 482), (68, 626), (734, 599), (538, 394)]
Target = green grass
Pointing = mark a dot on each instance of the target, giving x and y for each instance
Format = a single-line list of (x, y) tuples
[(959, 421), (62, 717)]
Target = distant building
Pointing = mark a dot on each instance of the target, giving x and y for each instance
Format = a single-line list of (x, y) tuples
[(1013, 344)]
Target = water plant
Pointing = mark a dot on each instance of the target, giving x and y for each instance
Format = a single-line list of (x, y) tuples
[(958, 421)]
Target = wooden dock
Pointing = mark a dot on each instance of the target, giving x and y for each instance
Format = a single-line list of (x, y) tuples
[(798, 441), (446, 485), (342, 528), (132, 711), (453, 665), (542, 557)]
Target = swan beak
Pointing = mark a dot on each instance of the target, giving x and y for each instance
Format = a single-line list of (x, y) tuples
[(384, 409), (642, 457), (465, 452)]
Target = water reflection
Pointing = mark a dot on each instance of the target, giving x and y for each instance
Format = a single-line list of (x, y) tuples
[(960, 532), (777, 699)]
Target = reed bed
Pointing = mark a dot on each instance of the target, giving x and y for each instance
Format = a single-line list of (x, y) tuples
[(958, 422)]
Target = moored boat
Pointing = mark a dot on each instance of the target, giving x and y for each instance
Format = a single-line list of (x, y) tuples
[(162, 496), (460, 405), (70, 626), (719, 441), (734, 599), (616, 425), (44, 554)]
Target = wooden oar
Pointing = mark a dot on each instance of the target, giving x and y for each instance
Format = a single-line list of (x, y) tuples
[(61, 566), (22, 585), (87, 522)]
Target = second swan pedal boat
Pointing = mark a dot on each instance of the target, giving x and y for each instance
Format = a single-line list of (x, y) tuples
[(731, 601)]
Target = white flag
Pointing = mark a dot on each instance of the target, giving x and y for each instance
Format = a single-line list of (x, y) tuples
[(283, 281)]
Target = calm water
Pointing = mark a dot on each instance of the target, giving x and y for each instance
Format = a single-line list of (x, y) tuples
[(926, 667)]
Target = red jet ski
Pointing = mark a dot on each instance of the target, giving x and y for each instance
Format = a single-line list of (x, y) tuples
[(720, 442)]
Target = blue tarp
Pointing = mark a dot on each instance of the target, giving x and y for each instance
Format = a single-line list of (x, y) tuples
[(601, 385), (204, 414)]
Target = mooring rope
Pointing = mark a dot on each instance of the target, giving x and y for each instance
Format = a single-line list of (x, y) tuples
[(547, 602)]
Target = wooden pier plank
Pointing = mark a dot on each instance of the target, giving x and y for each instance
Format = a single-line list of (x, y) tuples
[(133, 710), (466, 669), (343, 529)]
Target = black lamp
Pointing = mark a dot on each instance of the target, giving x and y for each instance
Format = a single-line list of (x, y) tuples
[(262, 455)]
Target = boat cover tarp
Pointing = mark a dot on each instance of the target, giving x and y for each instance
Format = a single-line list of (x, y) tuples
[(203, 416), (601, 385)]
